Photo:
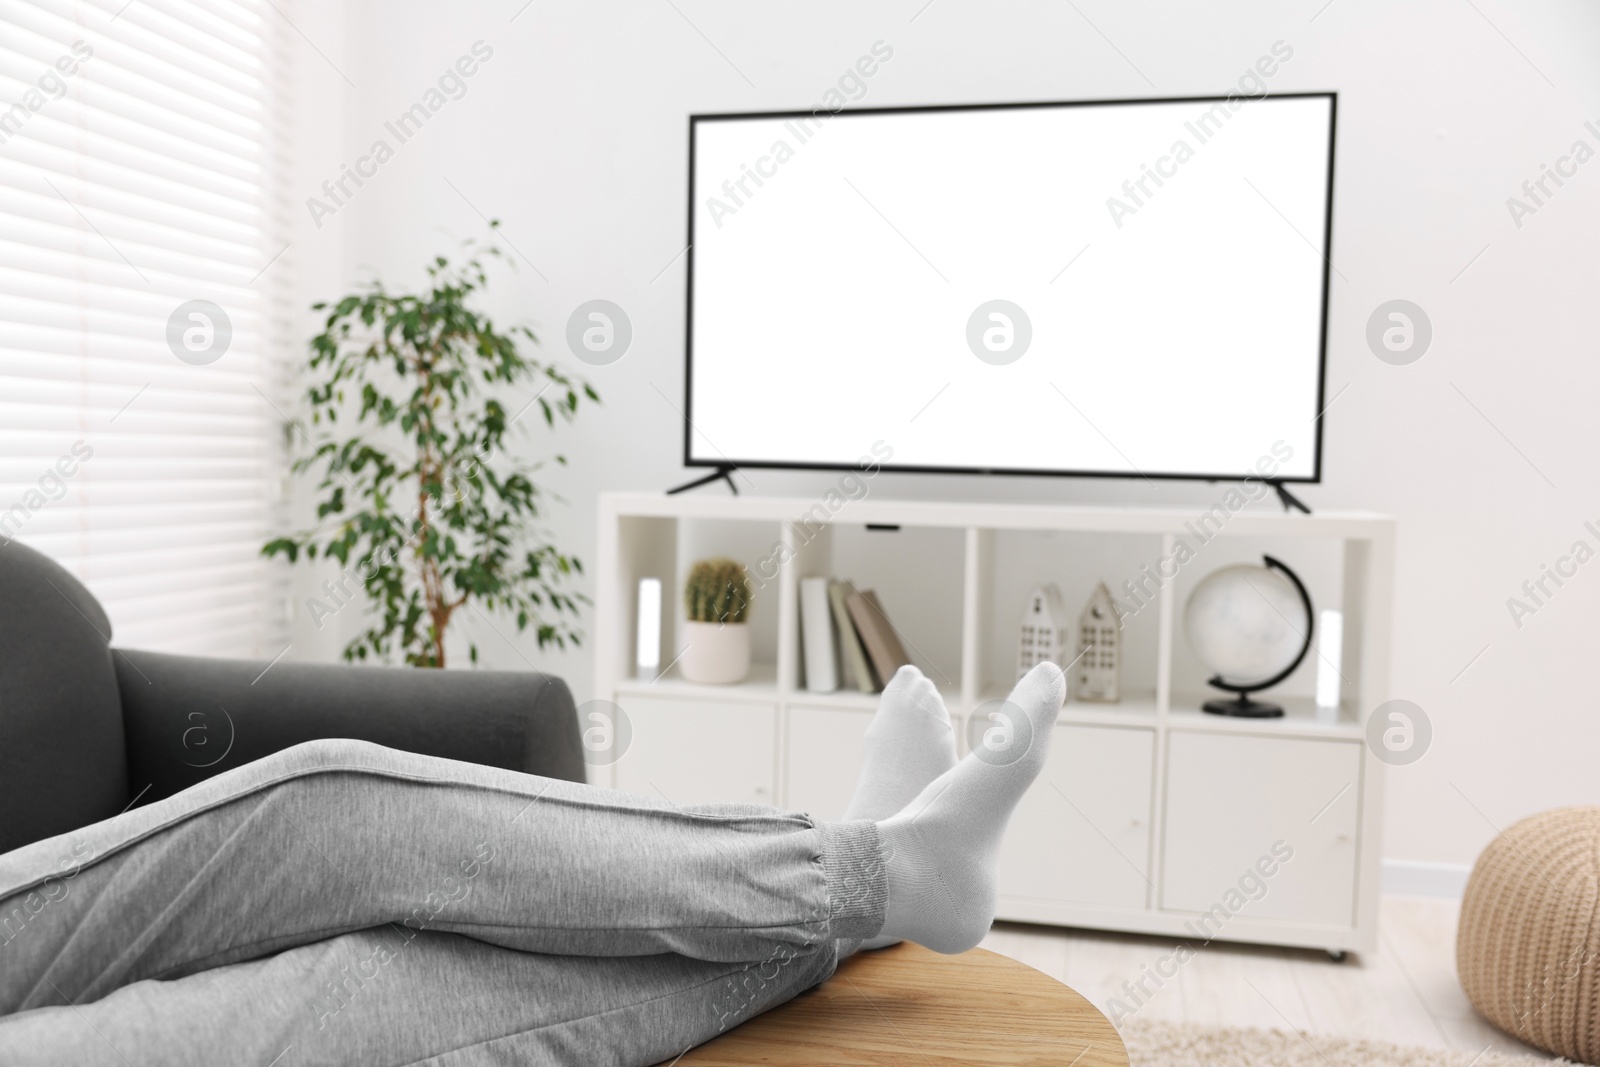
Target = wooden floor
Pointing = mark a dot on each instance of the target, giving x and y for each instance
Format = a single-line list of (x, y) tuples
[(1404, 993)]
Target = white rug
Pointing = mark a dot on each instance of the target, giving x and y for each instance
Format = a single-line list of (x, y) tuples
[(1157, 1044)]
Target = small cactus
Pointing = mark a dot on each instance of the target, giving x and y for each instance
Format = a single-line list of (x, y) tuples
[(718, 590)]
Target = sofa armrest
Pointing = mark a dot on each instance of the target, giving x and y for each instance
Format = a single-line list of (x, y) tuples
[(187, 718)]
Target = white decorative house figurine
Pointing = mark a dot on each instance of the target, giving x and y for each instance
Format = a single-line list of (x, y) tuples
[(1044, 629), (1099, 653)]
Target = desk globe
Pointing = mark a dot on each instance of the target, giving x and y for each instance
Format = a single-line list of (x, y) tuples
[(1251, 626)]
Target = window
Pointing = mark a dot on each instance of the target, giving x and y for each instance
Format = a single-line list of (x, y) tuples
[(141, 354)]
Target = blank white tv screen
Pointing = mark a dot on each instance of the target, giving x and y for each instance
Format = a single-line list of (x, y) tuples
[(1110, 288)]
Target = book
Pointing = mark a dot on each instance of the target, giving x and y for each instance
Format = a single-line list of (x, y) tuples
[(856, 667), (816, 636), (877, 634)]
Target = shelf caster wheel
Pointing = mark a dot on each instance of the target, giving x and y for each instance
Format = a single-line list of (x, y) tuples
[(1336, 955)]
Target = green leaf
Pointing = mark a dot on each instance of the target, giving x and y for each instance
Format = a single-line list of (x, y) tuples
[(285, 545)]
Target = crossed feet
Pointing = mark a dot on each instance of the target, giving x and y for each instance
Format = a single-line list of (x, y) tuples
[(941, 820)]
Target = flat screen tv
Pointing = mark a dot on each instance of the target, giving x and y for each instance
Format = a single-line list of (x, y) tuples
[(1131, 288)]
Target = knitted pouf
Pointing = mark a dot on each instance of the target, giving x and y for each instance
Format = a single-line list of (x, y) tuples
[(1528, 948)]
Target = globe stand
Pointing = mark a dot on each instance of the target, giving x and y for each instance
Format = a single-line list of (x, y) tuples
[(1242, 706)]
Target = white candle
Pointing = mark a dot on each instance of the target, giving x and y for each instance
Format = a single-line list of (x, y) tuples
[(648, 660), (1330, 647)]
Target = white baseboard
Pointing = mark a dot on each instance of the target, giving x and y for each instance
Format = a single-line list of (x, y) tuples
[(1410, 878)]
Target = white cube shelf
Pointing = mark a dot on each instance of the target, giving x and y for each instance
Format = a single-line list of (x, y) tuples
[(1150, 816)]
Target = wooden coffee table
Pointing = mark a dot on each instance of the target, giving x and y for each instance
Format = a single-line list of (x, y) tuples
[(909, 1006)]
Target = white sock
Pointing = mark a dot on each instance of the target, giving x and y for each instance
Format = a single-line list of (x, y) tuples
[(909, 743), (942, 850)]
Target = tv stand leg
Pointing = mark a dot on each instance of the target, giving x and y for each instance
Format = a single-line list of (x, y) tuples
[(1288, 499), (723, 473)]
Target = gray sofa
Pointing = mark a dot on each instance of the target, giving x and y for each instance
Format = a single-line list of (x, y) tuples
[(87, 729)]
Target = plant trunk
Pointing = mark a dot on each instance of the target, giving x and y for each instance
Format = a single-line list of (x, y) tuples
[(439, 611), (432, 585)]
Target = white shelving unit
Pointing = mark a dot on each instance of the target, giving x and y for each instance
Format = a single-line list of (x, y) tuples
[(1150, 816)]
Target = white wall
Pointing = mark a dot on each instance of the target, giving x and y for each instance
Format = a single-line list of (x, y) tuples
[(574, 135), (314, 267)]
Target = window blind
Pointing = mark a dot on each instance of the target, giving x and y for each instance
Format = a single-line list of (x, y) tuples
[(142, 318)]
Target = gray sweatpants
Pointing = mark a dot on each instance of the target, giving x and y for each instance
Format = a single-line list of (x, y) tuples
[(345, 903)]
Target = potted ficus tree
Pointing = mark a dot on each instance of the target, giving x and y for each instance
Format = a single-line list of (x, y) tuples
[(419, 502), (716, 601)]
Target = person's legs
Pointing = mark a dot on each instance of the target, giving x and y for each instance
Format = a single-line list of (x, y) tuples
[(387, 995), (375, 997), (332, 837), (936, 856)]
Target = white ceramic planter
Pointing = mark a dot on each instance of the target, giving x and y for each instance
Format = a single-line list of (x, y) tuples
[(715, 653)]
